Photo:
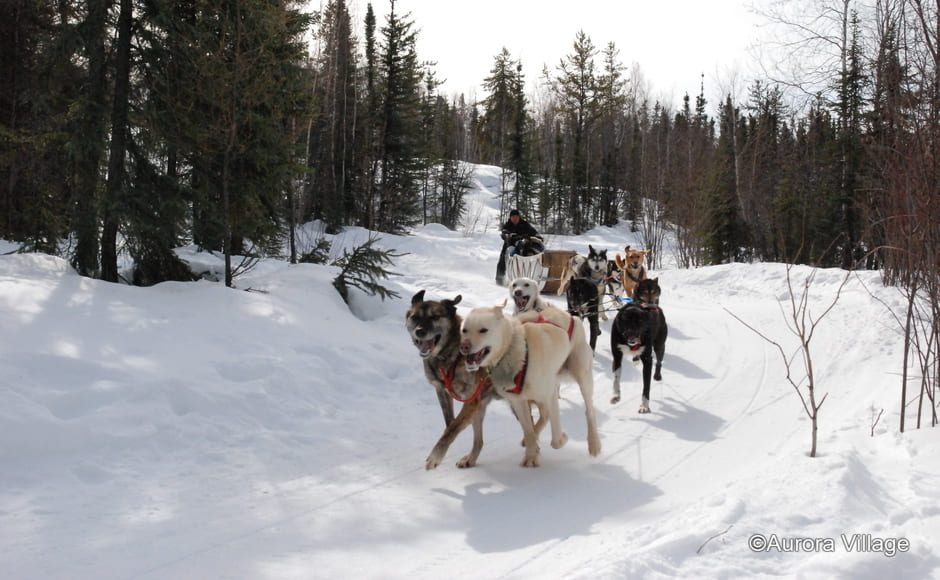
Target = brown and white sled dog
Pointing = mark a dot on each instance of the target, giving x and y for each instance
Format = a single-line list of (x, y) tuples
[(525, 361), (434, 327)]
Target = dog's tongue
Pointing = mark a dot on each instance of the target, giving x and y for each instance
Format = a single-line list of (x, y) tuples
[(521, 302), (425, 346), (476, 358)]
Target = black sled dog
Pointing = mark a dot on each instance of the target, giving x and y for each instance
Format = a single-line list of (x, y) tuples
[(434, 327), (647, 291), (638, 331), (583, 303)]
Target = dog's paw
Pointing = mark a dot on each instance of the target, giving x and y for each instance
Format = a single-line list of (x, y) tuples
[(560, 442), (432, 462), (658, 376), (615, 399), (467, 461), (643, 410), (530, 461), (594, 446)]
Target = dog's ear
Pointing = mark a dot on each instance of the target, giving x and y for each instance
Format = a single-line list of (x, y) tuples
[(656, 279), (590, 249), (644, 252), (626, 250), (499, 308), (621, 263), (451, 305), (417, 298)]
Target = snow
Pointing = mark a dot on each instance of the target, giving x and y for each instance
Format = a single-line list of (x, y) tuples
[(194, 431)]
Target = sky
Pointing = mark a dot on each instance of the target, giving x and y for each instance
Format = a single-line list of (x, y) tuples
[(188, 431), (674, 42)]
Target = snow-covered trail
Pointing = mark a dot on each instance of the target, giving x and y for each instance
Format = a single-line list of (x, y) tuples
[(483, 517), (189, 431)]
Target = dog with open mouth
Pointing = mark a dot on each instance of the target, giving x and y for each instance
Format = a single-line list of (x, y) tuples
[(638, 331), (525, 361), (529, 306), (434, 327), (526, 296)]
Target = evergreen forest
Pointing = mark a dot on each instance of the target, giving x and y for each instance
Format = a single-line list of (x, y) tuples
[(132, 127)]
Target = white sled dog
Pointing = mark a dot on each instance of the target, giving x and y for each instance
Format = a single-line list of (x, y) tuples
[(529, 306), (525, 362), (525, 295)]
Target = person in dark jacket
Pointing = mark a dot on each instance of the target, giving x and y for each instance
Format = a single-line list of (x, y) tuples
[(521, 237)]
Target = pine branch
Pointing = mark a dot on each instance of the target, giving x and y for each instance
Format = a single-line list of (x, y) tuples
[(363, 267)]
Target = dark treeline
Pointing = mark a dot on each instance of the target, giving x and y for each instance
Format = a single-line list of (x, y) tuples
[(137, 126)]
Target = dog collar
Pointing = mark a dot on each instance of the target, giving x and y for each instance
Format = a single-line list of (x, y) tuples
[(639, 277)]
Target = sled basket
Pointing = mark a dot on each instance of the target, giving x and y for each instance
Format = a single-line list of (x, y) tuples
[(525, 267), (553, 263)]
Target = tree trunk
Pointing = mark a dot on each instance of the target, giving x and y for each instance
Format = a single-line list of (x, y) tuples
[(89, 153), (119, 134)]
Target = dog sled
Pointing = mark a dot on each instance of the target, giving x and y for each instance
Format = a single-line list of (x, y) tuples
[(544, 267)]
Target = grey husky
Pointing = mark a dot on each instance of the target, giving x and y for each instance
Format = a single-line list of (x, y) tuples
[(434, 327)]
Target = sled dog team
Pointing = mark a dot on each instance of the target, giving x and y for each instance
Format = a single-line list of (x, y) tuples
[(523, 358)]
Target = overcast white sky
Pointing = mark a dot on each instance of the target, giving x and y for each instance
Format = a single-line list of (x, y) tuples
[(673, 41)]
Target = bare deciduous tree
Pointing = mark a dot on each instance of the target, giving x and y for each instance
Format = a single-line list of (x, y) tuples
[(801, 374)]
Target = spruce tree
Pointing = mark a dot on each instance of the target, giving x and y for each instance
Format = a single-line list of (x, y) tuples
[(242, 82), (496, 124), (576, 88), (334, 137), (399, 124), (40, 78), (505, 128), (725, 236), (611, 97)]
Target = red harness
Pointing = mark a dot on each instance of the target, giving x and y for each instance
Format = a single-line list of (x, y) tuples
[(447, 375), (520, 376)]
